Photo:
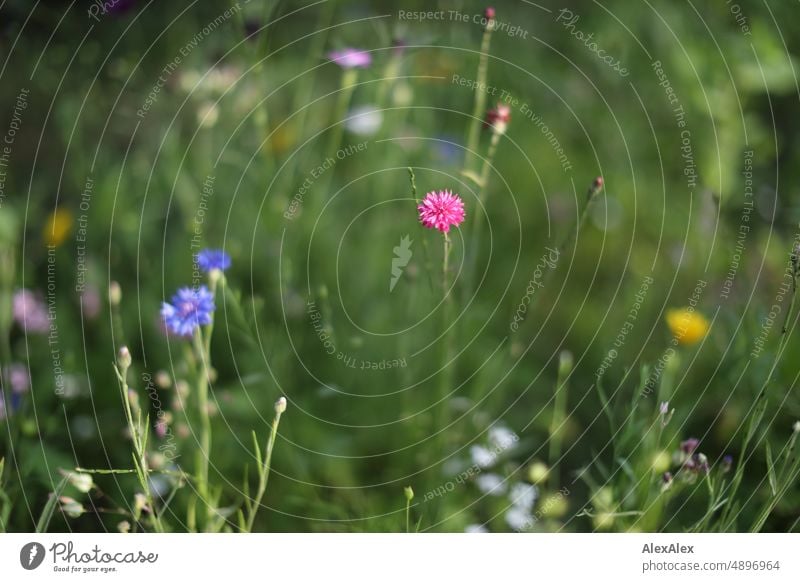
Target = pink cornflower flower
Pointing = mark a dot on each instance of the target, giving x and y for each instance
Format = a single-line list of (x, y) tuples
[(351, 58), (441, 210)]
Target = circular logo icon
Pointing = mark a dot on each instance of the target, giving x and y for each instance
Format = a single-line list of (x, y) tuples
[(31, 555)]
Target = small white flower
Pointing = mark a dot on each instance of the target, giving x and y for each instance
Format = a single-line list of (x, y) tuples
[(523, 495), (502, 438), (81, 481), (207, 114), (475, 528), (364, 120), (518, 519), (491, 484), (481, 456)]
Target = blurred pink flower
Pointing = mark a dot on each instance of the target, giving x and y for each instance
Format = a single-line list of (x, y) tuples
[(91, 301), (441, 210), (350, 58), (498, 117), (17, 376), (30, 311)]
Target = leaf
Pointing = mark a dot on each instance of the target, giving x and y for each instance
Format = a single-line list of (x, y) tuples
[(50, 507), (773, 485), (257, 449)]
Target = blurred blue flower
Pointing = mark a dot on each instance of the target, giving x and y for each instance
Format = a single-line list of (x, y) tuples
[(189, 308), (210, 259)]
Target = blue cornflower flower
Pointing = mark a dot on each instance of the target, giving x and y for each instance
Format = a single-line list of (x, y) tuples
[(189, 308), (210, 259)]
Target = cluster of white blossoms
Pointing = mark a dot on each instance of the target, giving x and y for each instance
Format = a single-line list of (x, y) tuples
[(522, 496)]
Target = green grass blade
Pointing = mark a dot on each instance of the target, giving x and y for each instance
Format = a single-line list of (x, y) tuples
[(50, 507)]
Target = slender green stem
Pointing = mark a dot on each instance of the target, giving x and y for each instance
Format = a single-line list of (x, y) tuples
[(571, 236), (205, 420), (480, 99), (446, 267), (447, 339), (264, 469), (559, 415), (477, 224), (348, 85), (202, 345), (349, 80), (139, 445), (425, 251)]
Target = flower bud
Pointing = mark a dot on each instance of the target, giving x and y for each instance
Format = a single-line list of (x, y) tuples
[(280, 405), (498, 118), (409, 493), (114, 293), (538, 473), (565, 363), (163, 379), (124, 358), (133, 398), (71, 507)]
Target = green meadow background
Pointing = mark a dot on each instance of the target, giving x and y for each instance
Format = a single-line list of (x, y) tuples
[(168, 127)]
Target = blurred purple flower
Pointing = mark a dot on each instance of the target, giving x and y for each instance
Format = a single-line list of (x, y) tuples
[(30, 311), (727, 463), (689, 446), (210, 259), (91, 303), (17, 376), (350, 58), (189, 309)]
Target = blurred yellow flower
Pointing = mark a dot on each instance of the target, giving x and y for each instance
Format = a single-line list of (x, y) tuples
[(687, 325), (57, 227)]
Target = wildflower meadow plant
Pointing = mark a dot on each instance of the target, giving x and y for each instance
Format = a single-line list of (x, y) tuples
[(443, 210), (188, 317)]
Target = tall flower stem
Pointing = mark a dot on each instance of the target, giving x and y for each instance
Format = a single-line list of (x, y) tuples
[(425, 250), (348, 85), (202, 345), (345, 94), (264, 466), (138, 430), (447, 339), (477, 224), (480, 97), (558, 419)]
